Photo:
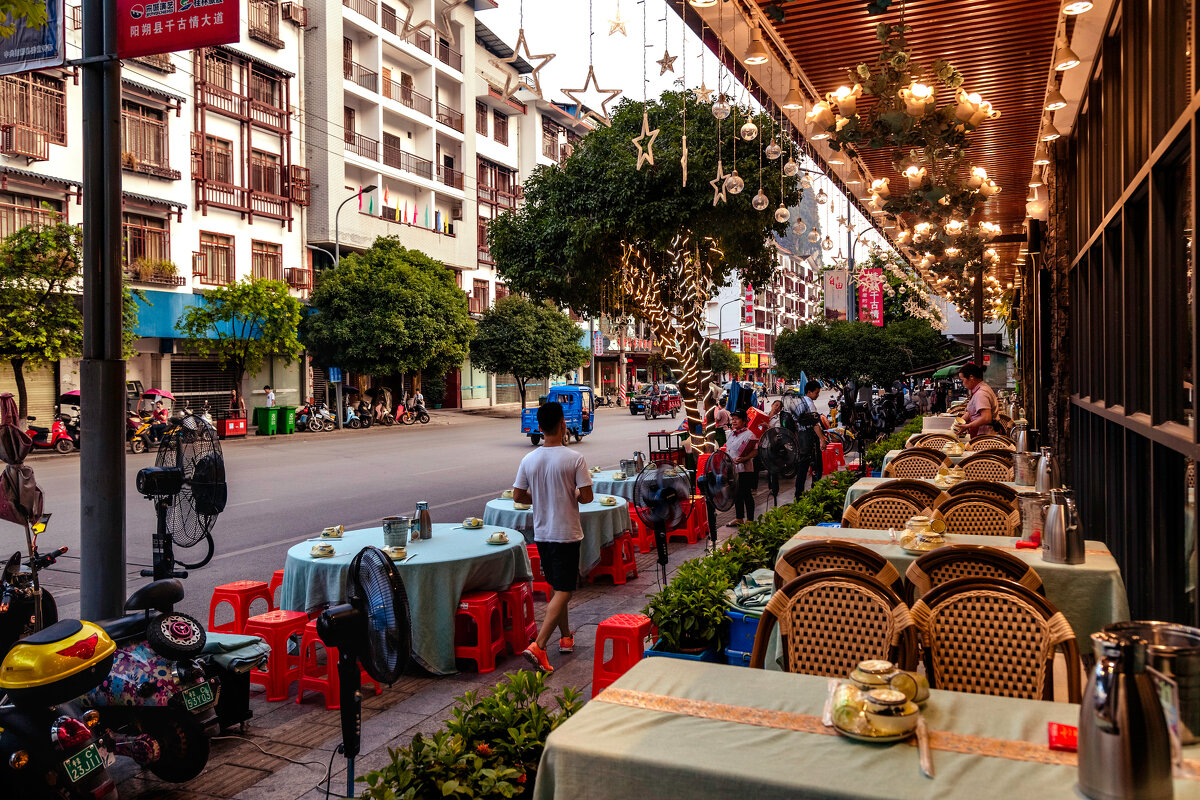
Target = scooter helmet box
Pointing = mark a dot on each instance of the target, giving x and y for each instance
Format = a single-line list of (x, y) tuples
[(57, 664)]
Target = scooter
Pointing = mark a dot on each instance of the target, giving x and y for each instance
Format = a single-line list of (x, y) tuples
[(415, 413), (363, 412), (137, 432), (321, 412), (351, 419), (53, 438)]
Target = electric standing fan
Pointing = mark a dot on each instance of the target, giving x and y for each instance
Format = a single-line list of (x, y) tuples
[(780, 451), (187, 485), (372, 628), (716, 479), (663, 501)]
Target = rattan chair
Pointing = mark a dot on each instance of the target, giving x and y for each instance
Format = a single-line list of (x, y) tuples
[(994, 636), (836, 554), (979, 515), (988, 465), (831, 620), (956, 561), (991, 441), (1000, 491), (916, 463), (924, 492), (881, 509), (934, 441)]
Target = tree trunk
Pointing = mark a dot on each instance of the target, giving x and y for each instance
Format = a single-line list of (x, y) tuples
[(521, 389), (18, 367)]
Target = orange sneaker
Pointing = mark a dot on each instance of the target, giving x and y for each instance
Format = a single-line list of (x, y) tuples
[(566, 644), (537, 657)]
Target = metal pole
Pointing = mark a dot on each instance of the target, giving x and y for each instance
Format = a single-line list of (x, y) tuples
[(592, 348), (337, 260), (977, 291), (102, 369)]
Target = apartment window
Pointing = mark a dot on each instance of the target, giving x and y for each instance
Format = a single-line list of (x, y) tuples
[(266, 260), (348, 120), (501, 291), (214, 262), (36, 101), (550, 139), (266, 89), (19, 210), (262, 22), (218, 159), (479, 296), (481, 118), (144, 133), (501, 127), (147, 238), (218, 69), (264, 173)]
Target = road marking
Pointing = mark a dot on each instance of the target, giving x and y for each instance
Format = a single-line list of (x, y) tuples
[(247, 503), (432, 471)]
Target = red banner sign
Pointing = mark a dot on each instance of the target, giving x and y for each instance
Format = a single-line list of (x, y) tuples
[(748, 306), (870, 297), (149, 28)]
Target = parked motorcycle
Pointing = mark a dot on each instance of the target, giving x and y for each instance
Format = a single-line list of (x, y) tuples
[(350, 420), (55, 437), (308, 419), (322, 412), (407, 415), (364, 414), (137, 432)]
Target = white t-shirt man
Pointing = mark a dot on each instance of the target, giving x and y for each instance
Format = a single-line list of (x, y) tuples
[(551, 475), (270, 398)]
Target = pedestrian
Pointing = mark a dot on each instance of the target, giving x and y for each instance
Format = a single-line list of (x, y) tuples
[(270, 396), (810, 436), (982, 407), (237, 406), (555, 480), (742, 446), (775, 418), (721, 419)]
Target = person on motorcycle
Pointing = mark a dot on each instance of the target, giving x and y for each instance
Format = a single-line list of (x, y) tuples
[(418, 401), (811, 436), (161, 422)]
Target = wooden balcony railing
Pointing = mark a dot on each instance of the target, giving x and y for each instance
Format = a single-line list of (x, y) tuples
[(298, 278), (159, 61), (406, 95), (449, 56), (362, 145), (450, 177), (368, 8), (450, 117), (395, 157), (353, 71), (262, 22)]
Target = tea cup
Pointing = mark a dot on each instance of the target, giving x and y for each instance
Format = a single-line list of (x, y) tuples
[(890, 712), (322, 550)]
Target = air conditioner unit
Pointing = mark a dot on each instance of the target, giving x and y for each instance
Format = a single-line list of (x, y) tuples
[(21, 140), (294, 12), (456, 211)]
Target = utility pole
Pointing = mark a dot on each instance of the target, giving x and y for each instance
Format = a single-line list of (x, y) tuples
[(102, 369), (977, 303)]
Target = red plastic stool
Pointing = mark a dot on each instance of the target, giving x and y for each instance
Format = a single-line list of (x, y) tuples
[(239, 595), (311, 675), (616, 561), (516, 607), (276, 627), (628, 633), (276, 582), (641, 534), (832, 458), (479, 611), (539, 580), (696, 526)]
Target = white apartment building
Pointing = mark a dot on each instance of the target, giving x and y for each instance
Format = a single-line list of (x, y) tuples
[(213, 181)]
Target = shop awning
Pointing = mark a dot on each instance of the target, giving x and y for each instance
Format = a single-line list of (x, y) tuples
[(947, 372)]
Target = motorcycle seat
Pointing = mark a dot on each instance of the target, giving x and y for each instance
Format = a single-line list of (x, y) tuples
[(130, 626), (38, 430), (158, 595)]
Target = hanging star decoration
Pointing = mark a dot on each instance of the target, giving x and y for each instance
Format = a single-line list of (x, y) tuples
[(602, 115), (718, 185), (512, 83), (616, 24), (666, 63), (646, 155), (704, 94), (683, 159), (442, 27)]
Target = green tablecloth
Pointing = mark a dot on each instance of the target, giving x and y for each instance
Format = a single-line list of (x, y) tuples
[(614, 751), (1090, 595), (601, 524), (864, 485), (440, 570)]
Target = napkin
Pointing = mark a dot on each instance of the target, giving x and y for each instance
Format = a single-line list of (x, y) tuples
[(754, 590)]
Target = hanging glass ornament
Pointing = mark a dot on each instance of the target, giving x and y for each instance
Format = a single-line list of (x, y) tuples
[(760, 201), (782, 214), (721, 108), (827, 244), (790, 168), (773, 151), (814, 235), (822, 198), (903, 289), (749, 130), (805, 182), (734, 183), (800, 227)]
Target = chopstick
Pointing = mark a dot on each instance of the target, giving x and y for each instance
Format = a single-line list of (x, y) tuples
[(923, 747)]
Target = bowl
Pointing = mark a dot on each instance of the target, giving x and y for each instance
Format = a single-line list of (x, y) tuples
[(507, 494), (521, 506), (321, 550), (472, 522), (890, 712), (872, 674), (395, 553), (608, 501)]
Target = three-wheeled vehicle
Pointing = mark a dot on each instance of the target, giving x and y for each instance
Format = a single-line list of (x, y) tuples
[(576, 400)]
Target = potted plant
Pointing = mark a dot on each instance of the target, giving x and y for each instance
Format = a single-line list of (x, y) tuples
[(690, 611)]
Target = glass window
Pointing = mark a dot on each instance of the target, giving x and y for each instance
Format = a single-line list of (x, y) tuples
[(36, 101)]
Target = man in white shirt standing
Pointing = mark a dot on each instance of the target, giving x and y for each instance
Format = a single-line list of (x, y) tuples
[(555, 481), (270, 396)]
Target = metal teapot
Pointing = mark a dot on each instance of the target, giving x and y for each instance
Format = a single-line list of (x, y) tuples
[(1062, 540), (639, 459), (1047, 472), (1124, 747), (1020, 435)]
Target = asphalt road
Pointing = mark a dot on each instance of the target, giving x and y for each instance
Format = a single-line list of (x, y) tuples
[(284, 489)]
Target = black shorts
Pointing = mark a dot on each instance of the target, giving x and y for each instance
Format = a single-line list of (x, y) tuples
[(560, 564)]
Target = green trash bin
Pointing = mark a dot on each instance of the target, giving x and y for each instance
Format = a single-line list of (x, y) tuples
[(266, 419), (287, 419)]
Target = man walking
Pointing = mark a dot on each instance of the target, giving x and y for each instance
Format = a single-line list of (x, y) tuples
[(742, 446), (270, 396), (555, 481), (811, 439)]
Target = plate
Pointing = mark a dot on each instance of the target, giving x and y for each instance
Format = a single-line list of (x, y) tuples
[(521, 506), (889, 739), (327, 555), (506, 540), (920, 551), (472, 527)]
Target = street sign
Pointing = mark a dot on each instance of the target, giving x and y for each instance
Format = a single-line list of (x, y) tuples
[(36, 48), (748, 305), (335, 374), (986, 359), (149, 28), (597, 343), (870, 296), (837, 303)]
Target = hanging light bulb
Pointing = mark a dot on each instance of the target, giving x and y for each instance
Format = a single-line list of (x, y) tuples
[(814, 235), (756, 53), (794, 101), (790, 167), (822, 198), (1036, 180), (702, 3), (782, 214), (760, 201), (800, 227), (1065, 58), (1041, 155), (1075, 7), (827, 244), (1054, 100), (749, 130), (1048, 133), (734, 183), (773, 150), (721, 107), (835, 159)]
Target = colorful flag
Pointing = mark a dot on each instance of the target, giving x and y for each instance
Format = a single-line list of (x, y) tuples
[(371, 204), (385, 194), (414, 221), (397, 211), (426, 216), (405, 211)]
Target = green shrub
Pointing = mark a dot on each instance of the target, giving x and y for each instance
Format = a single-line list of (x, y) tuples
[(877, 451)]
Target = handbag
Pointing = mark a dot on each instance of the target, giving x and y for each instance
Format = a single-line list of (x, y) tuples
[(15, 443), (21, 498)]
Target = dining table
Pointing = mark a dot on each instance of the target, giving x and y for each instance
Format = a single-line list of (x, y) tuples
[(864, 485), (672, 728), (436, 572), (601, 524), (603, 482)]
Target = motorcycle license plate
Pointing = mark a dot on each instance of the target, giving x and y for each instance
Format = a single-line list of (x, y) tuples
[(197, 696), (83, 763)]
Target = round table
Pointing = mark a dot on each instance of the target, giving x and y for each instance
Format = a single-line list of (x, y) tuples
[(601, 524), (603, 483), (435, 575)]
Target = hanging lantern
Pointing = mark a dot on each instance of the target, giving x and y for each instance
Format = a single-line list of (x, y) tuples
[(805, 181), (846, 98), (749, 130), (721, 107), (917, 98), (773, 150), (814, 235), (820, 117), (734, 183), (881, 188), (760, 201), (827, 244), (800, 227), (915, 174), (954, 227), (790, 167), (782, 214), (822, 198)]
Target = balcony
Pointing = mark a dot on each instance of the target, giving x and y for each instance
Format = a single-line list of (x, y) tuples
[(362, 145), (405, 95), (450, 117), (353, 71), (450, 177), (159, 61), (367, 8), (485, 255), (449, 56), (262, 22), (22, 140), (298, 278), (393, 156), (420, 40)]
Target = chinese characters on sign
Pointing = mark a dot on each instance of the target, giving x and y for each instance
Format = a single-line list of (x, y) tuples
[(598, 343), (870, 296), (748, 306), (837, 300), (35, 48), (170, 25)]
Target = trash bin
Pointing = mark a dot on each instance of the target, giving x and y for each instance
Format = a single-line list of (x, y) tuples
[(286, 422), (266, 420)]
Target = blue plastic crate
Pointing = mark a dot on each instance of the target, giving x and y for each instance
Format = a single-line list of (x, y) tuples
[(711, 655), (736, 658), (829, 524), (742, 628)]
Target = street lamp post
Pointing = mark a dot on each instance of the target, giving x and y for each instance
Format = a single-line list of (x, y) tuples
[(337, 260)]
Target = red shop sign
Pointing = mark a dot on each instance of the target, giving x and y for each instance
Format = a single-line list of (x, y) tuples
[(165, 26)]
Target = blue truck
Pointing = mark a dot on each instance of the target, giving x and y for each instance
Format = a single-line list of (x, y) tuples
[(578, 408)]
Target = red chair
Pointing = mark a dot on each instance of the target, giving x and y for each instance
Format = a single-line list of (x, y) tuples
[(276, 627), (832, 458), (539, 580), (479, 630), (628, 633), (641, 534), (696, 526), (276, 582), (516, 607), (314, 678), (616, 561), (239, 595)]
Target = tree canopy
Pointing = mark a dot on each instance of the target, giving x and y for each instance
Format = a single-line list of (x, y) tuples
[(388, 310), (243, 324), (527, 340), (844, 351), (722, 359)]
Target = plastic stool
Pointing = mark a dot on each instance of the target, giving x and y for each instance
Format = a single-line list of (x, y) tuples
[(327, 682), (539, 580), (276, 582), (642, 534), (628, 633), (516, 607), (481, 611), (616, 561), (832, 458), (276, 627), (695, 527), (239, 595)]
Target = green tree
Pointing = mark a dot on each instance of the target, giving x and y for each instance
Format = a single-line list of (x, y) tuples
[(658, 364), (244, 324), (30, 13), (596, 233), (722, 359), (388, 310), (844, 351), (526, 339)]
